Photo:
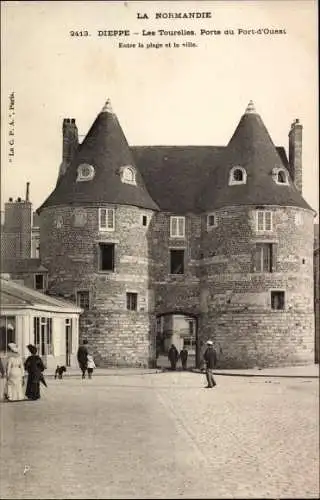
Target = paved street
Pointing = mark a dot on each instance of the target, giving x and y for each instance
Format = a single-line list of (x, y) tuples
[(163, 435)]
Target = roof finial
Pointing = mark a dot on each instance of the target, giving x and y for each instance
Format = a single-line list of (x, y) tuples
[(250, 108), (107, 107)]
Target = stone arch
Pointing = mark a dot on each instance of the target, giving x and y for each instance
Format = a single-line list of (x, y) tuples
[(166, 333)]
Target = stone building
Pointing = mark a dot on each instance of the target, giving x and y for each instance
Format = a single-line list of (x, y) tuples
[(20, 238), (28, 316), (221, 235)]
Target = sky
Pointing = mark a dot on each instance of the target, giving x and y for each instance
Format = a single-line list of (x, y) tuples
[(161, 95)]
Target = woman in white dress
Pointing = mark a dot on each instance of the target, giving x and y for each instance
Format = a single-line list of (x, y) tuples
[(14, 375)]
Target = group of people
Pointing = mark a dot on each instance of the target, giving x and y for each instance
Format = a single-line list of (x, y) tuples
[(85, 360), (174, 355), (34, 367), (209, 357), (15, 374)]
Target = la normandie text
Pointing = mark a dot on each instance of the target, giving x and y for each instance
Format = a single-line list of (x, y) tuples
[(176, 15)]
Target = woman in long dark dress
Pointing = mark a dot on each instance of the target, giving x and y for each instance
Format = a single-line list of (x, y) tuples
[(34, 366)]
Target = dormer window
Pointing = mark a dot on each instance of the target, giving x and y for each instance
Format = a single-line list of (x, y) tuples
[(280, 176), (128, 175), (85, 172), (237, 175)]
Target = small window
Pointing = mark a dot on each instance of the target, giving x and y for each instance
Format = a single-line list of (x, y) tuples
[(211, 220), (144, 220), (237, 175), (277, 300), (83, 299), (264, 220), (132, 301), (128, 175), (59, 222), (191, 327), (106, 256), (39, 282), (177, 227), (85, 172), (280, 176), (106, 219), (177, 261), (263, 258)]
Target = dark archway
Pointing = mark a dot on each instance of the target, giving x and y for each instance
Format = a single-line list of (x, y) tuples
[(178, 327)]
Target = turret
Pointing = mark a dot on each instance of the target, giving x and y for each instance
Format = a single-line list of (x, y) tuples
[(94, 239)]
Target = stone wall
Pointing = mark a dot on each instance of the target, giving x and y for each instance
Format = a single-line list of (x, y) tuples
[(69, 249), (230, 299), (220, 285)]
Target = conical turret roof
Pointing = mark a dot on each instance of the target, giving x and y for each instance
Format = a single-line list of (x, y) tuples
[(104, 148), (251, 148)]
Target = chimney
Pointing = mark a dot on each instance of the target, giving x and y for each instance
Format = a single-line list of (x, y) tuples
[(69, 139), (27, 191), (295, 153)]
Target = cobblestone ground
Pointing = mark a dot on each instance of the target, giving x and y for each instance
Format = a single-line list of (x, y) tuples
[(163, 436)]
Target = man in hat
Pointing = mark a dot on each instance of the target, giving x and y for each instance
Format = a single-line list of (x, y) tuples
[(82, 356), (210, 358)]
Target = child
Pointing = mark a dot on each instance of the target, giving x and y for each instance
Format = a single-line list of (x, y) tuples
[(90, 365)]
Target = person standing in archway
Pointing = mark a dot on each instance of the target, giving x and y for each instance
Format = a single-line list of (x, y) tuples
[(173, 356), (184, 358)]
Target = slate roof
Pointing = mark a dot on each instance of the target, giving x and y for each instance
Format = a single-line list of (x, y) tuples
[(106, 148), (180, 179), (176, 174), (16, 294), (250, 147)]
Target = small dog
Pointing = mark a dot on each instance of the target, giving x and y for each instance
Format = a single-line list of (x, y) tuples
[(59, 372)]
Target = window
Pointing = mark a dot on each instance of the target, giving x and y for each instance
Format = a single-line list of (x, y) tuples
[(7, 332), (191, 327), (264, 220), (39, 282), (264, 258), (85, 172), (59, 222), (144, 220), (280, 176), (277, 300), (237, 175), (42, 331), (128, 175), (132, 301), (177, 261), (106, 256), (106, 219), (189, 343), (83, 299), (177, 227), (211, 220)]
